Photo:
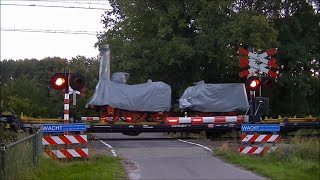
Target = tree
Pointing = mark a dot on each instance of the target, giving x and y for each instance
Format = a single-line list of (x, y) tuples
[(181, 42)]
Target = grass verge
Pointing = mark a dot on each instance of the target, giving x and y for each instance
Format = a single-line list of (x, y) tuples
[(97, 167), (296, 160)]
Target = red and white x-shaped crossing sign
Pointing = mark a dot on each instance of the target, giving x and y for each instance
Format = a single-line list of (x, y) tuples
[(258, 62)]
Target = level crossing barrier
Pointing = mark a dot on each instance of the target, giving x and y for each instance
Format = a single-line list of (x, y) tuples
[(192, 120), (65, 146), (259, 138)]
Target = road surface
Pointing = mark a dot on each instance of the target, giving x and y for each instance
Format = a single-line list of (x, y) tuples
[(154, 156)]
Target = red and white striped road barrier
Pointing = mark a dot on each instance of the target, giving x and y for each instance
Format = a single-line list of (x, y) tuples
[(67, 153), (267, 138), (70, 139), (255, 150), (95, 118), (90, 118), (203, 120)]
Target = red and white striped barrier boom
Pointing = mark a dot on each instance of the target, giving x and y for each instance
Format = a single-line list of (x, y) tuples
[(69, 139), (266, 138), (193, 120), (204, 120), (90, 118), (67, 153)]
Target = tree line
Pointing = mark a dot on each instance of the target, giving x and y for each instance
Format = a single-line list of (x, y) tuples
[(182, 42)]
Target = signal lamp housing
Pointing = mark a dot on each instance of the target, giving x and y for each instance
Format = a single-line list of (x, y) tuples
[(59, 81), (253, 83), (77, 82)]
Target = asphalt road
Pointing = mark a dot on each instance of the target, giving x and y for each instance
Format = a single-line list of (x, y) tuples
[(154, 156)]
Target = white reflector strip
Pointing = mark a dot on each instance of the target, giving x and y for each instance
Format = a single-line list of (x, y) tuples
[(72, 139), (231, 118), (73, 153), (183, 120), (57, 140), (208, 119), (273, 138), (247, 138), (260, 138), (259, 150), (58, 154), (90, 118)]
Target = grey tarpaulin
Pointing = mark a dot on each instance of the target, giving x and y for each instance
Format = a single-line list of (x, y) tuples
[(150, 96), (228, 97), (120, 77)]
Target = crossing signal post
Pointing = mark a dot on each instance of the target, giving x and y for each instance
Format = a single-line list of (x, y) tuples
[(259, 69), (61, 81)]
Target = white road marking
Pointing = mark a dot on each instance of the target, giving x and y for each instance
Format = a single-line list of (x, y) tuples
[(110, 147), (200, 145)]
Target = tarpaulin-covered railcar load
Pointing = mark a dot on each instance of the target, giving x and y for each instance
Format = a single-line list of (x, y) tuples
[(207, 99), (117, 99)]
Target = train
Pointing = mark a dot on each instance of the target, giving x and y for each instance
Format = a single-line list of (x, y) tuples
[(117, 100)]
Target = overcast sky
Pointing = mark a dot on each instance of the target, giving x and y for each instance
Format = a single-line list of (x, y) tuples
[(20, 45)]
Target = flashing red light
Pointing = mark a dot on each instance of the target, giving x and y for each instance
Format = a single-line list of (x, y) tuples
[(172, 120), (196, 120), (58, 81), (253, 83)]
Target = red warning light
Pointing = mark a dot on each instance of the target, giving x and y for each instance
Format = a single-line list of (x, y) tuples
[(58, 81), (253, 83)]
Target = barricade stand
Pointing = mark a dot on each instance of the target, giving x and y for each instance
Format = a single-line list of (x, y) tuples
[(65, 146), (259, 138)]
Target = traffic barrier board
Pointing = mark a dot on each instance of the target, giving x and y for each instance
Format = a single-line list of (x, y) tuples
[(66, 139), (260, 127), (270, 138), (256, 150), (67, 153), (259, 143), (47, 128)]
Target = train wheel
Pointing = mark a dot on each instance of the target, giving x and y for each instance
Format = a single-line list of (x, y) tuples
[(134, 116), (109, 114), (159, 116)]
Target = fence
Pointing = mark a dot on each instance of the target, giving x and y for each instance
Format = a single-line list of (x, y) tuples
[(19, 159)]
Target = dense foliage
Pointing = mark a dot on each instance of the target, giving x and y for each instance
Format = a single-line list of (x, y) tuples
[(25, 85), (185, 41)]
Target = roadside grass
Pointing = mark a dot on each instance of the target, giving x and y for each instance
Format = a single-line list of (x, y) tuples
[(97, 167), (299, 159)]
